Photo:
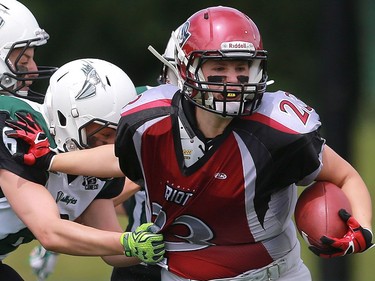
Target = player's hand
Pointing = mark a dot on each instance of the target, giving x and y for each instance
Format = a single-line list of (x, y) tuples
[(42, 262), (144, 243), (356, 240), (25, 128)]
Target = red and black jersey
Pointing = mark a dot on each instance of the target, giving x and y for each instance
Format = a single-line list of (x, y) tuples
[(224, 205)]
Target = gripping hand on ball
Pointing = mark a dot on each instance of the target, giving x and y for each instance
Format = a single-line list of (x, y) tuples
[(356, 240), (26, 129), (144, 243)]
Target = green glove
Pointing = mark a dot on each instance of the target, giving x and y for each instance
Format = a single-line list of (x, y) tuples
[(144, 243)]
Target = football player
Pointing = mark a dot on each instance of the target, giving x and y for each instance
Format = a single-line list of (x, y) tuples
[(81, 110), (20, 35), (221, 159)]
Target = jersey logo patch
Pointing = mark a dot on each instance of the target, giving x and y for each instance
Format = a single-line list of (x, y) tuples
[(220, 176), (177, 196), (90, 183)]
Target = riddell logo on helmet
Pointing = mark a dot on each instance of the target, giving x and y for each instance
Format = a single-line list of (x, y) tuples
[(237, 45)]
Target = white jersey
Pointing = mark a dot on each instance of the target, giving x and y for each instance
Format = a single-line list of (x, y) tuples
[(73, 194)]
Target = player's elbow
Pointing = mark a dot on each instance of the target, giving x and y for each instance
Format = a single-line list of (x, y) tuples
[(50, 240)]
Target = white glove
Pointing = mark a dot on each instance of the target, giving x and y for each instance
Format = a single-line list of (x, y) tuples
[(42, 262)]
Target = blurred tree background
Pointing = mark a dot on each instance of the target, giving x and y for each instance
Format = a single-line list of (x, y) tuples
[(321, 51)]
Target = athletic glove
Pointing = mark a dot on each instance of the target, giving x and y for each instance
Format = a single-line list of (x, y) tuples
[(25, 128), (42, 262), (144, 243), (356, 240)]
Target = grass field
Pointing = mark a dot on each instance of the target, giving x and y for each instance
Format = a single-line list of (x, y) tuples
[(94, 269)]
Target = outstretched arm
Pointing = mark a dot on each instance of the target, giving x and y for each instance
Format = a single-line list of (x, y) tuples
[(63, 236), (43, 219), (99, 162)]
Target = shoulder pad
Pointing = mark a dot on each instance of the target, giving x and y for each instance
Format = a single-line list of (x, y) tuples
[(290, 112)]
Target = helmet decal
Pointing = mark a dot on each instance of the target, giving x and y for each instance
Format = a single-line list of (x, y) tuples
[(92, 79), (237, 45), (184, 34)]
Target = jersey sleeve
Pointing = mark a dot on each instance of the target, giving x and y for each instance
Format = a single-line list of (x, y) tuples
[(152, 104), (111, 189), (289, 129)]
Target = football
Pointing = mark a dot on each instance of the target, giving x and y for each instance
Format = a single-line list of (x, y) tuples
[(316, 213)]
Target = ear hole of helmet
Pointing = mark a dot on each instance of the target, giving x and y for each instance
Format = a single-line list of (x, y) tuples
[(108, 82), (62, 118)]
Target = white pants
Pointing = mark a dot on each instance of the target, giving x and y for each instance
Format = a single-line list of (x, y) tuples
[(288, 268)]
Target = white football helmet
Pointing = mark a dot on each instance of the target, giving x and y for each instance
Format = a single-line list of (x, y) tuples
[(18, 29), (82, 92), (167, 76)]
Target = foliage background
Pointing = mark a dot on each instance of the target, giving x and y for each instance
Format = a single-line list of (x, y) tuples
[(121, 30)]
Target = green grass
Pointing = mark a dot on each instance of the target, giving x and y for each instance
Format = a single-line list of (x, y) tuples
[(71, 268)]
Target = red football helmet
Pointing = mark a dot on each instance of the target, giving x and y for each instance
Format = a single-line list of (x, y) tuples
[(221, 33)]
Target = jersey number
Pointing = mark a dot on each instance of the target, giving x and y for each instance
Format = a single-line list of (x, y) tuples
[(298, 107), (197, 229)]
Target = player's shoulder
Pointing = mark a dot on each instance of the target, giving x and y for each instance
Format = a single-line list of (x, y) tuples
[(141, 89), (161, 91), (288, 111), (159, 96), (13, 104)]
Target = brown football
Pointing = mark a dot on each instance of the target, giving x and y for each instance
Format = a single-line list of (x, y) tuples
[(316, 212)]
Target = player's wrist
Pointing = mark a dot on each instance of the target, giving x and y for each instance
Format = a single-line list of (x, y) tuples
[(124, 240), (49, 160)]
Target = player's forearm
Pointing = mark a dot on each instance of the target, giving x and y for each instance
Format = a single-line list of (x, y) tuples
[(100, 162), (360, 200), (67, 237), (120, 261)]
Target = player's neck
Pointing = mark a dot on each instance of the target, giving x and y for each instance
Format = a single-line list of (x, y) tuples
[(210, 124)]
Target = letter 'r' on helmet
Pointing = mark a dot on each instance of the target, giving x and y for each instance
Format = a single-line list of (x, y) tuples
[(221, 33), (83, 92), (19, 30)]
